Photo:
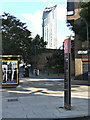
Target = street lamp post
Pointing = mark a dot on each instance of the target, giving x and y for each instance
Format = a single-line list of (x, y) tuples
[(35, 56)]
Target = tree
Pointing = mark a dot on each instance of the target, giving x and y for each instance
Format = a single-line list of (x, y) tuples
[(39, 42), (85, 15), (16, 38), (38, 46), (85, 12), (56, 61)]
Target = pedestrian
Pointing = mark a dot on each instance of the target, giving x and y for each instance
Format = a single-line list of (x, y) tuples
[(36, 72), (24, 70)]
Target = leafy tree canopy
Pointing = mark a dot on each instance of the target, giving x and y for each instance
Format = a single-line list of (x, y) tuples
[(85, 12), (17, 40), (56, 61)]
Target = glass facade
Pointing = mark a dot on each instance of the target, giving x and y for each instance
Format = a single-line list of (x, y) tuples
[(50, 27)]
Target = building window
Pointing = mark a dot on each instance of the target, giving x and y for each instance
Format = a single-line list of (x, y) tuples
[(53, 14), (47, 33)]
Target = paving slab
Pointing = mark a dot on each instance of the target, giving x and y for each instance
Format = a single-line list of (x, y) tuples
[(43, 107), (44, 98)]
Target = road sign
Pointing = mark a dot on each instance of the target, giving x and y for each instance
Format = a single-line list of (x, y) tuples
[(82, 52)]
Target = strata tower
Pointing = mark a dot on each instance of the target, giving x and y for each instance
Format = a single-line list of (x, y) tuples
[(49, 27)]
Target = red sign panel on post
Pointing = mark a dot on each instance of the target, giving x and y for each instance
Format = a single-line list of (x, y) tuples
[(66, 46)]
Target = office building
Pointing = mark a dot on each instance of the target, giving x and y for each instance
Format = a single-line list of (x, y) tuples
[(49, 27)]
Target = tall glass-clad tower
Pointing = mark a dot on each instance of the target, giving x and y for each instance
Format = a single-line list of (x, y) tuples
[(49, 27)]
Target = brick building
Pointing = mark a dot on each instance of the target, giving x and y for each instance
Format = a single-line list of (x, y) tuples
[(81, 53)]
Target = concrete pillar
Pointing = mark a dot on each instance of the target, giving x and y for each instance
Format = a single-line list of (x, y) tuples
[(78, 67)]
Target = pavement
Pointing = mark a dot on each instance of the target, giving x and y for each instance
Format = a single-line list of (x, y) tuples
[(43, 97)]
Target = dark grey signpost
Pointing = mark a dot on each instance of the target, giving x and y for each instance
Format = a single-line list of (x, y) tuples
[(67, 77), (88, 57)]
